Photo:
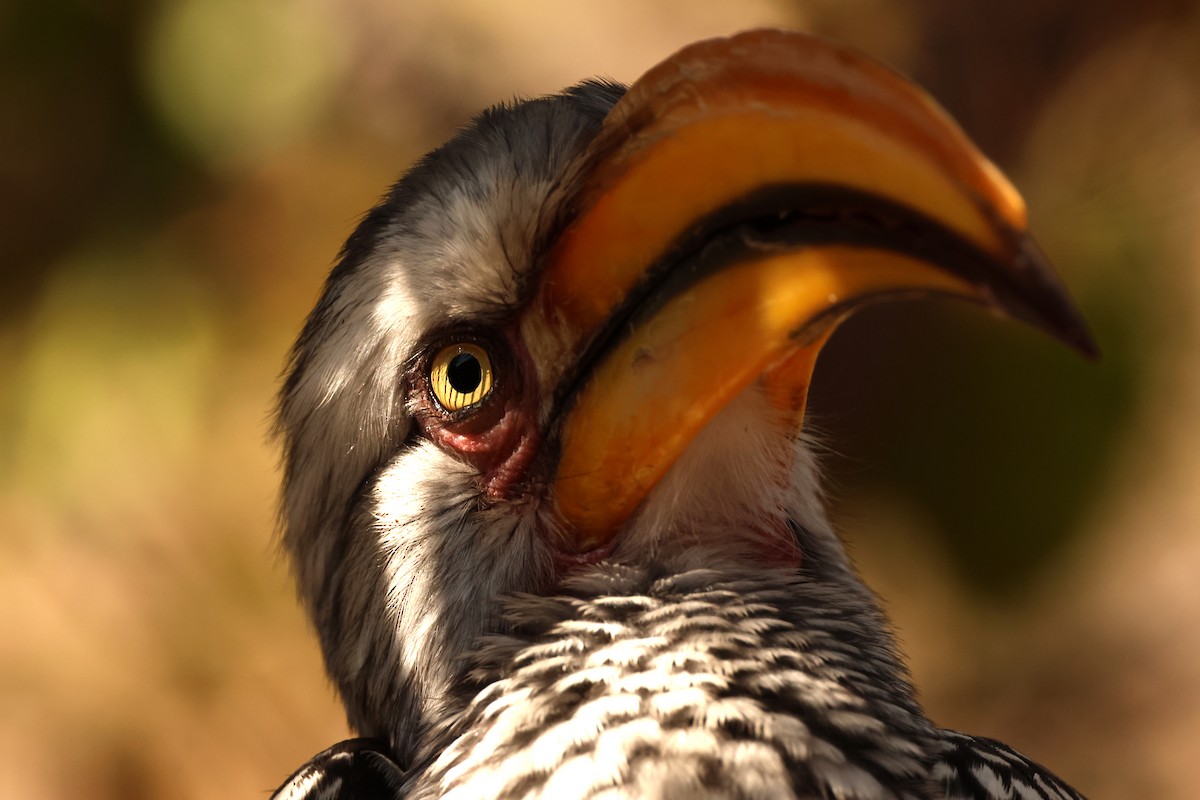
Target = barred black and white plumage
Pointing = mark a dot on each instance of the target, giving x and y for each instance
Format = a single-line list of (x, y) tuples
[(495, 630), (652, 683), (977, 768), (725, 683)]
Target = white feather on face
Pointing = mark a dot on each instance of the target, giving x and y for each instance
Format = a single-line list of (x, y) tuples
[(397, 558)]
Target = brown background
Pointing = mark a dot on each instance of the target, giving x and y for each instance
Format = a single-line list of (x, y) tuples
[(175, 179)]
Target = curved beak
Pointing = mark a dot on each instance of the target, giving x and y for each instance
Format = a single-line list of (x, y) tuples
[(742, 198)]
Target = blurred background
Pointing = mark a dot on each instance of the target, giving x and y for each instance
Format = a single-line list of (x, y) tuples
[(176, 178)]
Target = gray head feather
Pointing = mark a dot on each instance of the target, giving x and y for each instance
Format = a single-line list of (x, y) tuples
[(383, 530)]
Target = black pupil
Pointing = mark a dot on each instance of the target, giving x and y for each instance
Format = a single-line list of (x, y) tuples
[(465, 373)]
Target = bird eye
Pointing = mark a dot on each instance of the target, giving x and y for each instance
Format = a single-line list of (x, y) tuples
[(460, 376)]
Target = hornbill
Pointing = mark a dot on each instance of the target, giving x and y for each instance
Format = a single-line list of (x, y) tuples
[(547, 496)]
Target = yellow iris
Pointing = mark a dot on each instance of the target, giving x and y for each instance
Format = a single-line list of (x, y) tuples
[(460, 376)]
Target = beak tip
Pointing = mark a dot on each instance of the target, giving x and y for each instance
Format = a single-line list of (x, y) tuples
[(1052, 308), (1066, 323), (1062, 320), (1085, 343)]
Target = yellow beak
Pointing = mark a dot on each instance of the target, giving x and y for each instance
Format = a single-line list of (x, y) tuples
[(742, 198)]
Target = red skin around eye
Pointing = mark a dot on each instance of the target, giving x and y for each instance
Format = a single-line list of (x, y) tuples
[(502, 453), (501, 440)]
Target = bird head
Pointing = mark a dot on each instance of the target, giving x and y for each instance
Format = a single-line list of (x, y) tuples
[(583, 330)]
